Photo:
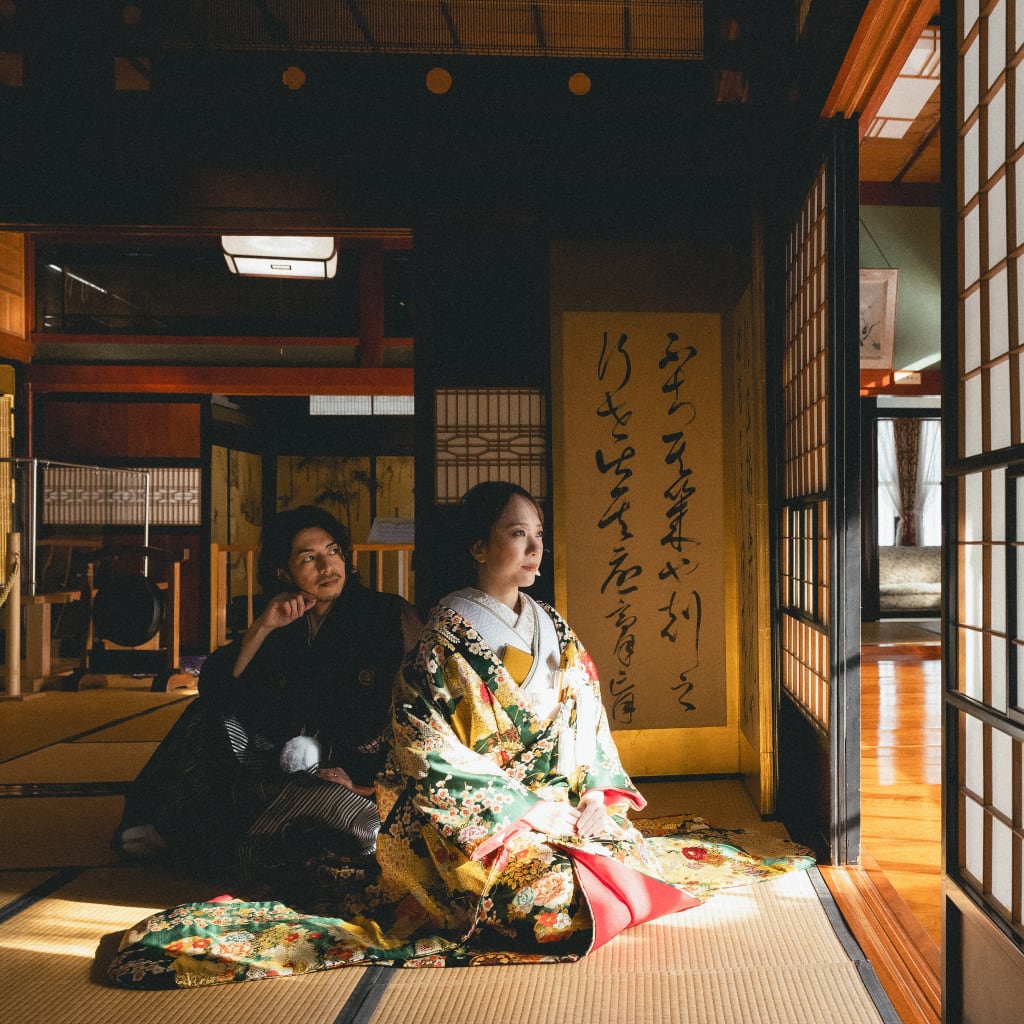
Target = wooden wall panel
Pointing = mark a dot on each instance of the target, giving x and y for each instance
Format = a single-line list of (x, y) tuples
[(13, 339), (80, 431), (12, 283)]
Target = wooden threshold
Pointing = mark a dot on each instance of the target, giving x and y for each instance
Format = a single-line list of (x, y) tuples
[(904, 956)]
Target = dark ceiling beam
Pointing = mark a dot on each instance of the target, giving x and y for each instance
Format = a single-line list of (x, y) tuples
[(175, 13), (884, 39), (361, 22), (915, 156), (538, 25), (122, 378), (885, 193), (276, 27), (449, 22)]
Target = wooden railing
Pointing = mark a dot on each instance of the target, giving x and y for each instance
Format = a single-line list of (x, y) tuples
[(220, 579), (403, 552)]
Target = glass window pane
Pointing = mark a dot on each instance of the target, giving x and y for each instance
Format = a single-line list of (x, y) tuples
[(930, 483)]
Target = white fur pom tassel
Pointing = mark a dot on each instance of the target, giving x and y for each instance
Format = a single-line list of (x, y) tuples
[(300, 754)]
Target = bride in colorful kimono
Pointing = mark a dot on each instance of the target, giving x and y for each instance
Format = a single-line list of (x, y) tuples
[(510, 820), (504, 835)]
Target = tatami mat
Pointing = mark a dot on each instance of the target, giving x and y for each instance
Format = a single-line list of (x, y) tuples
[(58, 831), (52, 954), (50, 717), (151, 726), (753, 955), (15, 884), (84, 762), (762, 953), (724, 802), (795, 994)]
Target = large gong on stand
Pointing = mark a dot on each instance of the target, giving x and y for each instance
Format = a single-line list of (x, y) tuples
[(133, 618)]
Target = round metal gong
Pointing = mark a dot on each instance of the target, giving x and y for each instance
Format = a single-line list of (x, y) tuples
[(128, 610)]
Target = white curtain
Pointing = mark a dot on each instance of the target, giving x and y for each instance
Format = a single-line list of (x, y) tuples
[(927, 500), (888, 485), (929, 484)]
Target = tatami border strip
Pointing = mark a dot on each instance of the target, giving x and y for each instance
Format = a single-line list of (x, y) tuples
[(56, 881), (99, 728), (51, 789), (868, 975), (363, 1000)]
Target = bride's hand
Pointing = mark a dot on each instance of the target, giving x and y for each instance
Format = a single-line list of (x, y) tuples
[(593, 816), (553, 818)]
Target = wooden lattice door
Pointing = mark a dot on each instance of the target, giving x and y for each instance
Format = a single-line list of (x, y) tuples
[(816, 511)]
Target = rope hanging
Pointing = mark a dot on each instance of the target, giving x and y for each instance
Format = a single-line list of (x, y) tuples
[(8, 585)]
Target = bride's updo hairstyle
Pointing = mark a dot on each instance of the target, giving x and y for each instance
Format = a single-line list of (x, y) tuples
[(481, 508)]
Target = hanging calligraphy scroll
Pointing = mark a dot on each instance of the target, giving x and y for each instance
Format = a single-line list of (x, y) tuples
[(644, 574)]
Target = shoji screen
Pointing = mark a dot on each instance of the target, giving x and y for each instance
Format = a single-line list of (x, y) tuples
[(817, 508), (805, 565), (985, 470)]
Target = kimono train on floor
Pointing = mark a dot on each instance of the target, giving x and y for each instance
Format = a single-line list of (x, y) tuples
[(494, 711)]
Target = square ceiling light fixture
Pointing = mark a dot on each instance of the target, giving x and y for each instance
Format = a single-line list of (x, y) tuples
[(914, 87), (312, 257)]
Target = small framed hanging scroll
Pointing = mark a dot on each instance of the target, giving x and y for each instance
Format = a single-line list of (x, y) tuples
[(877, 318)]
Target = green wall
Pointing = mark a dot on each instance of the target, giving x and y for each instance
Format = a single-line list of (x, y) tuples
[(907, 238)]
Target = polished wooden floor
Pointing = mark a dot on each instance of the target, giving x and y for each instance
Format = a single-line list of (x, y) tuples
[(892, 900), (901, 778)]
